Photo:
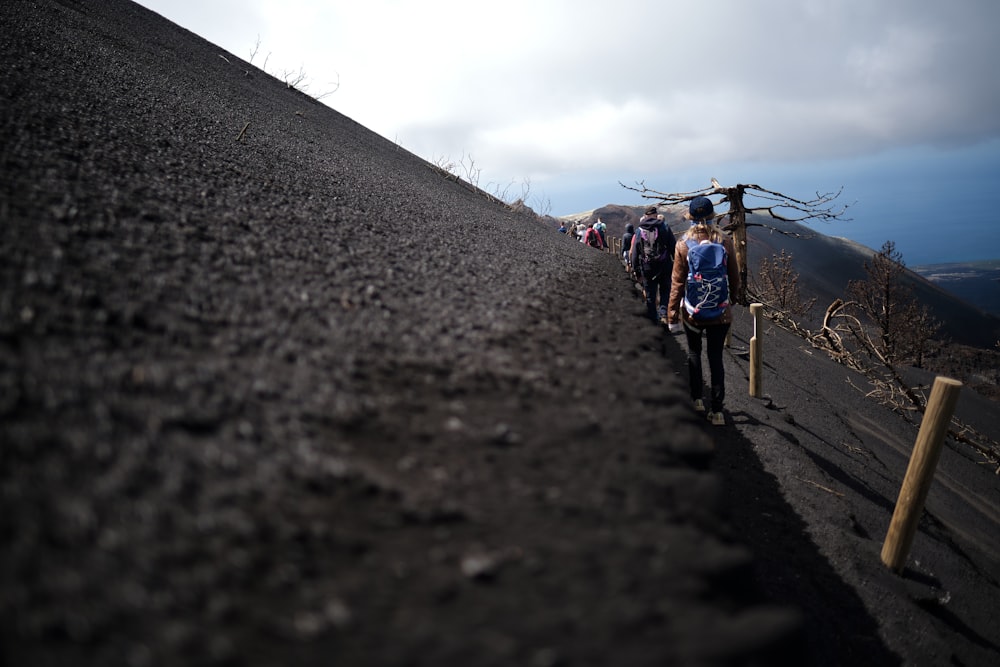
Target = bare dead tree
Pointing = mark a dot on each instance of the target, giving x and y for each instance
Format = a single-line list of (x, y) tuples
[(463, 170), (776, 286), (903, 328), (822, 207), (869, 355), (466, 173), (882, 329), (845, 338), (876, 335), (542, 204), (296, 80), (292, 78), (504, 194), (470, 171)]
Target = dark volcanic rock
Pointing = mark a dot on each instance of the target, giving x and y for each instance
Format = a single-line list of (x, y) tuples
[(274, 391)]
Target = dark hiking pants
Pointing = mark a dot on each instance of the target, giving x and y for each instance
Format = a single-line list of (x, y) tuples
[(657, 284), (716, 335)]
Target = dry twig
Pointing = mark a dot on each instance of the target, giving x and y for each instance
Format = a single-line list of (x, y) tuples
[(820, 486)]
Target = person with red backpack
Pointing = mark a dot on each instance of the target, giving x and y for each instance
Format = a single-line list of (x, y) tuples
[(592, 238), (651, 256), (704, 275)]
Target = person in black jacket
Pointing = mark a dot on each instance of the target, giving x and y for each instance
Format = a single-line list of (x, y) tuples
[(627, 246), (652, 259)]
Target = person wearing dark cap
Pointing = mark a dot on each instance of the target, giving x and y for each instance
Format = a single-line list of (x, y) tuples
[(651, 256), (700, 299)]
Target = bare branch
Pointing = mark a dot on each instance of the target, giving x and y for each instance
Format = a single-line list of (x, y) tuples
[(776, 285), (472, 172), (543, 205), (292, 78), (783, 232), (256, 47), (819, 208), (665, 198)]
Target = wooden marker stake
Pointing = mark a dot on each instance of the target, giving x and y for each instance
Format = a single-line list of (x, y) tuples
[(920, 472), (755, 360)]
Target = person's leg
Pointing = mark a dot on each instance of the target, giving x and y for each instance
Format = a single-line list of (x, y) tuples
[(716, 336), (663, 287), (695, 379), (649, 287)]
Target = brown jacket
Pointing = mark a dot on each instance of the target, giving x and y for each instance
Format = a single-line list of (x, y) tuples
[(678, 281)]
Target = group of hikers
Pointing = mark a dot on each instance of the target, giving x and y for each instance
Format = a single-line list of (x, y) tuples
[(594, 234), (686, 284)]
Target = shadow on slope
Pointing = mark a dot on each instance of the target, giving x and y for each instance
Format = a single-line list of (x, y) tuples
[(789, 567)]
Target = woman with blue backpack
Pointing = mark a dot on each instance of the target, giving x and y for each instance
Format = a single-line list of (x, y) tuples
[(704, 276)]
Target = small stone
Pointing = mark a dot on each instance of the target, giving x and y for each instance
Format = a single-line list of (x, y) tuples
[(504, 435), (309, 625), (337, 613), (480, 566)]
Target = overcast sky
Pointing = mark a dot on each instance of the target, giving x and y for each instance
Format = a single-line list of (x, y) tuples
[(887, 98)]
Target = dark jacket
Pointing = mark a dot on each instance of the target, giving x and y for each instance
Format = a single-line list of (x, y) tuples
[(627, 239), (665, 258)]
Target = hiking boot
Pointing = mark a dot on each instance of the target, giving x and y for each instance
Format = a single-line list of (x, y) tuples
[(699, 405), (717, 418)]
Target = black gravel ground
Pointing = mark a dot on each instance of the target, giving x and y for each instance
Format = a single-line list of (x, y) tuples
[(273, 391)]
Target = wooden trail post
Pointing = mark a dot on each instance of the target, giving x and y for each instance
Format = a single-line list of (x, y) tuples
[(920, 472), (755, 360)]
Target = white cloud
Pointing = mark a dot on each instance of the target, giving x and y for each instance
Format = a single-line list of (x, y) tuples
[(547, 88)]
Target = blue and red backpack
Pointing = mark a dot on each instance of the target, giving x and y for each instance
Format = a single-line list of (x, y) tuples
[(706, 295)]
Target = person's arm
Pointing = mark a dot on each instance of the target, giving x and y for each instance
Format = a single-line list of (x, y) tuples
[(678, 279), (671, 242)]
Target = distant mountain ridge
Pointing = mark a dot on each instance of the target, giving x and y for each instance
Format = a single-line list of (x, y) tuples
[(978, 283)]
